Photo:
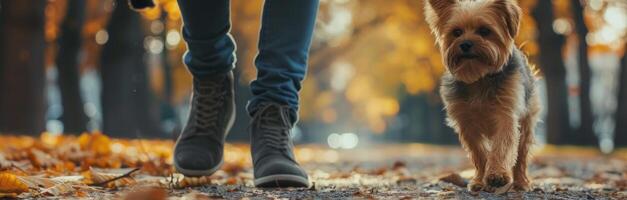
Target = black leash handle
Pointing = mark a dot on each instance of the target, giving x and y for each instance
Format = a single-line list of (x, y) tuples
[(141, 4)]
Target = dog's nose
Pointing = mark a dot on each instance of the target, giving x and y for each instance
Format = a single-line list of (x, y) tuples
[(465, 46)]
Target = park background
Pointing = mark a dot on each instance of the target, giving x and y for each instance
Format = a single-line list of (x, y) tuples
[(90, 86), (71, 66)]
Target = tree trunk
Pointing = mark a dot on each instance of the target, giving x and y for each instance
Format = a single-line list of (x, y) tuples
[(414, 111), (74, 118), (168, 113), (22, 99), (2, 29), (620, 133), (128, 107), (585, 133), (552, 65)]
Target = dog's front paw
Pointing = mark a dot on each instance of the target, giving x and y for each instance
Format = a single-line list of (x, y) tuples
[(498, 182), (496, 179)]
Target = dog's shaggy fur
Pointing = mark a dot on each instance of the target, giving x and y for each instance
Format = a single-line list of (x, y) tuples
[(488, 89)]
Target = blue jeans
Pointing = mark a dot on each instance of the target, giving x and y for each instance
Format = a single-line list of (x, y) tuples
[(286, 32)]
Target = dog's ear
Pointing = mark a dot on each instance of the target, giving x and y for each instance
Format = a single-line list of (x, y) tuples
[(511, 13), (441, 6), (436, 11)]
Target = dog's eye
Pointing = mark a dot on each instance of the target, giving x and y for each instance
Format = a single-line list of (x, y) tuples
[(457, 32), (483, 31)]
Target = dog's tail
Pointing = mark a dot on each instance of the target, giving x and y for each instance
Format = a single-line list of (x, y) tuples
[(141, 4)]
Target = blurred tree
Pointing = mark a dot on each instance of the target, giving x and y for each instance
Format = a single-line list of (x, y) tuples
[(22, 96), (128, 107), (168, 113), (585, 133), (67, 61), (323, 56), (246, 16), (424, 120), (1, 49), (620, 133), (552, 66)]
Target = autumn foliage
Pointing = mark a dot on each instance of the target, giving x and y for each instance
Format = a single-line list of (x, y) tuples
[(55, 165)]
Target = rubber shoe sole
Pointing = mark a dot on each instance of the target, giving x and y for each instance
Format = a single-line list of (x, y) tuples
[(191, 172), (282, 181)]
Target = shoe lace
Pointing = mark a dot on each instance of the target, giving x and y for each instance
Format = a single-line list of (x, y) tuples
[(210, 96), (273, 122)]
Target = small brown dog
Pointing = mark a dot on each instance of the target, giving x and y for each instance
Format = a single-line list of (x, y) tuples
[(488, 89)]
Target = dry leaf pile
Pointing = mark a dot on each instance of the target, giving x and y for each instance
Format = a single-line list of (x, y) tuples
[(60, 165)]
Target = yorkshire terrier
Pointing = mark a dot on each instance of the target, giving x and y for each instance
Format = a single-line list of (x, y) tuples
[(488, 88)]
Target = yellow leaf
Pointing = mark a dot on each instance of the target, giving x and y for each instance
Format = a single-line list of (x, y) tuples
[(97, 142), (9, 183), (181, 181)]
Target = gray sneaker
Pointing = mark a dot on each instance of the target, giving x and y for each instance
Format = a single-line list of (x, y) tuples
[(272, 148), (199, 149)]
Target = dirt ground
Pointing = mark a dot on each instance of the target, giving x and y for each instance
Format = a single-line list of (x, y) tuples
[(430, 172), (96, 167)]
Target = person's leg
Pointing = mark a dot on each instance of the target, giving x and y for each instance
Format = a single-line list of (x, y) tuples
[(209, 57), (286, 32), (206, 27)]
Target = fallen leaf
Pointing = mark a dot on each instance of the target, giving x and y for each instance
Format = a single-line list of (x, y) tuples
[(4, 163), (41, 159), (180, 181), (59, 189), (152, 181), (151, 193), (113, 179), (231, 181), (156, 167), (621, 184), (17, 155), (69, 179), (233, 169), (399, 164), (455, 179), (10, 183), (96, 142), (71, 152), (101, 162), (8, 195), (80, 193), (378, 171), (37, 181)]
